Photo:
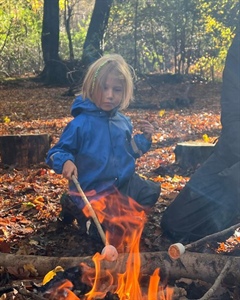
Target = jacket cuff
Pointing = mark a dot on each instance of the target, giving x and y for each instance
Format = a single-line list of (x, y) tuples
[(140, 144), (58, 159)]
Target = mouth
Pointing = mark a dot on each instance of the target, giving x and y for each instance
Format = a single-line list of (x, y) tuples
[(107, 105)]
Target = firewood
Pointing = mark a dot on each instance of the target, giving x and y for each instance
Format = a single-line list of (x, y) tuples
[(208, 295), (202, 266)]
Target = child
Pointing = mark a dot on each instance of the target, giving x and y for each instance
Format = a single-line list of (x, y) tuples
[(97, 145)]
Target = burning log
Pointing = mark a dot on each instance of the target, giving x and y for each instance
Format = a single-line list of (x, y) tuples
[(192, 265)]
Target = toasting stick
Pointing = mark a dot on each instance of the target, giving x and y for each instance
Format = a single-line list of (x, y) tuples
[(109, 251), (177, 249)]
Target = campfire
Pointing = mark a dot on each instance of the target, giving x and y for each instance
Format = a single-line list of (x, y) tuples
[(135, 274), (123, 220)]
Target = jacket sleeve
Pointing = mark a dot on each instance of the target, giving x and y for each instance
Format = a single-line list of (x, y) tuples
[(140, 144), (65, 149)]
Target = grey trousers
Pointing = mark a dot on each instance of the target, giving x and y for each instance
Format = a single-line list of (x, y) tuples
[(145, 192)]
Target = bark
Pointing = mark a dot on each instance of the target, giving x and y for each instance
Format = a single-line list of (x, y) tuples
[(201, 266)]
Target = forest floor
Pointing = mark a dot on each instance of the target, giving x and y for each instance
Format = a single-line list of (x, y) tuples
[(29, 197)]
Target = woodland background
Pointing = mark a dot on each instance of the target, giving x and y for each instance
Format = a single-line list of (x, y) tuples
[(57, 39), (177, 49)]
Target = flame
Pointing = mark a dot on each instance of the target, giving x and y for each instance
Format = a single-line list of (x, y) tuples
[(63, 292), (123, 220)]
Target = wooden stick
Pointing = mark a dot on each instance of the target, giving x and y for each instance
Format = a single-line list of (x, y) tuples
[(91, 210), (212, 236), (177, 249), (208, 295)]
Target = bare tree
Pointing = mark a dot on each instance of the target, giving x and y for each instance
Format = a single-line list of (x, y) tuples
[(93, 46), (68, 12)]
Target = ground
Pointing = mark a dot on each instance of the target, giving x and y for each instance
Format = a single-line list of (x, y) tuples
[(29, 197)]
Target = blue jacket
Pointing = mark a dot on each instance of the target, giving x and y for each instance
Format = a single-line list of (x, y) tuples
[(100, 144)]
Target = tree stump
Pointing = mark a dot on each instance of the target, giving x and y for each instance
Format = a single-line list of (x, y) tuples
[(191, 154), (24, 150)]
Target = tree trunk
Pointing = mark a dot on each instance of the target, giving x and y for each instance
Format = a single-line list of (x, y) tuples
[(54, 71), (93, 46), (24, 150), (50, 30)]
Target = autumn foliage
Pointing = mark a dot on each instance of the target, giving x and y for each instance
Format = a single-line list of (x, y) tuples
[(29, 197)]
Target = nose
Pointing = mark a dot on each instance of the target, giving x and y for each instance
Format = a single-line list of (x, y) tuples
[(110, 93)]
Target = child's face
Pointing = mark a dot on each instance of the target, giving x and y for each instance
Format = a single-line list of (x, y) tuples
[(111, 94)]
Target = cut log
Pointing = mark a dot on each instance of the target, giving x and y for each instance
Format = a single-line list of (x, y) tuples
[(191, 154), (191, 265), (24, 150)]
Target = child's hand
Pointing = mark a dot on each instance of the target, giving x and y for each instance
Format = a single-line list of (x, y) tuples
[(147, 129), (69, 169)]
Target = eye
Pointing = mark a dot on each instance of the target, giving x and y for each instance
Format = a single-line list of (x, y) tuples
[(118, 89)]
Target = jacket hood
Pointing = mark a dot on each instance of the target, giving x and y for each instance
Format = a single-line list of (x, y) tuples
[(86, 105), (80, 105)]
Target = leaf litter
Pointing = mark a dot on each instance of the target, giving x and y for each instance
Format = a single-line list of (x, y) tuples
[(29, 197), (33, 194)]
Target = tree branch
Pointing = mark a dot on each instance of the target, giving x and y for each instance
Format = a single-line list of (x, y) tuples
[(217, 282)]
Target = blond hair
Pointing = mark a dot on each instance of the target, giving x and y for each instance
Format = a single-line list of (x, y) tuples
[(98, 72)]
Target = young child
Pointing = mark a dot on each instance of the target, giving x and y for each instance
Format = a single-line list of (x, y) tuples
[(97, 146)]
